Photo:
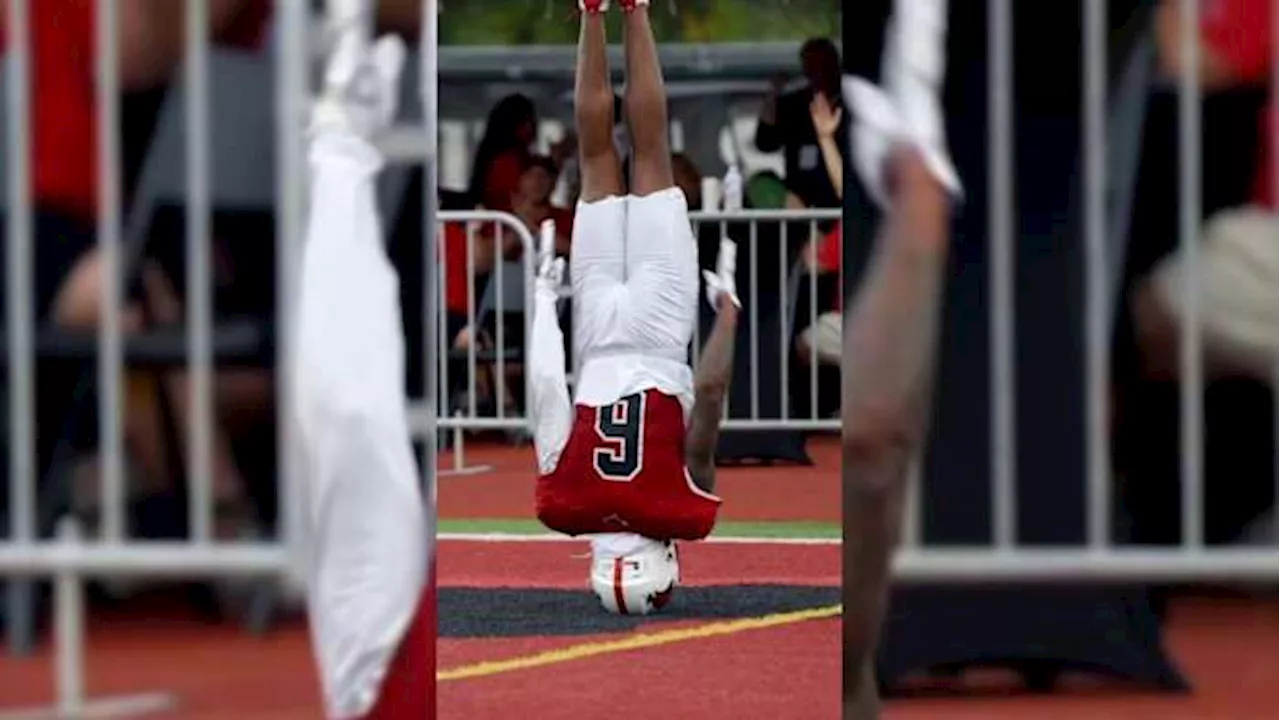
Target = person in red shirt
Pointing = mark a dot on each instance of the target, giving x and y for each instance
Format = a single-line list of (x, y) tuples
[(503, 153), (531, 203), (1237, 272), (64, 153), (823, 336)]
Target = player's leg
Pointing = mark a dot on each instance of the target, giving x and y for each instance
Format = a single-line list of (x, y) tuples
[(646, 104), (593, 102), (662, 256), (598, 267)]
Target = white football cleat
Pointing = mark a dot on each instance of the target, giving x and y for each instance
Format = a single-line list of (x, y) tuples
[(637, 583)]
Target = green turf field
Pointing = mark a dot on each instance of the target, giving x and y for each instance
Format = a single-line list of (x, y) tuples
[(727, 529)]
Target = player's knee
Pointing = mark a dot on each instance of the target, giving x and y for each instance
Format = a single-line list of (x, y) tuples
[(594, 109)]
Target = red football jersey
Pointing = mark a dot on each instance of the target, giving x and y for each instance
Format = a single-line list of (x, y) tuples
[(623, 470)]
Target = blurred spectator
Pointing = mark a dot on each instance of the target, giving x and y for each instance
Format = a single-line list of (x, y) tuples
[(823, 255), (786, 124), (503, 153), (688, 179), (1238, 262), (531, 201), (823, 336), (67, 269)]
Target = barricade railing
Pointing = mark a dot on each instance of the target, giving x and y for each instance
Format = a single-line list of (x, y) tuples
[(72, 556), (477, 360), (1099, 557)]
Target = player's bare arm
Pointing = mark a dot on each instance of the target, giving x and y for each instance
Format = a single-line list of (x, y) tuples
[(889, 351), (711, 387), (890, 338), (715, 369)]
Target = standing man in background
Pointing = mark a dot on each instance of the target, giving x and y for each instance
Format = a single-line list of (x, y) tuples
[(786, 124)]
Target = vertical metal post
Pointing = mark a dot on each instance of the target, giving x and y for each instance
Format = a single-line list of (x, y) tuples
[(19, 232), (1097, 316), (1003, 229), (813, 323), (199, 310), (110, 342), (753, 313), (788, 315), (1190, 356), (429, 77), (1274, 144), (291, 89), (69, 629)]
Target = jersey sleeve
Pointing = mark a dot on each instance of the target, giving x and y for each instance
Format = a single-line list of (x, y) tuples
[(552, 411)]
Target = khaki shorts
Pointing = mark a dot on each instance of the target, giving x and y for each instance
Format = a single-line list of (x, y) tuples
[(1237, 278), (824, 337)]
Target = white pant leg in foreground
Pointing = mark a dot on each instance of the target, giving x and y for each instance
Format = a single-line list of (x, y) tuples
[(365, 535)]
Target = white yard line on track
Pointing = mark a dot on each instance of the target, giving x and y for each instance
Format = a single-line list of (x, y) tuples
[(552, 537)]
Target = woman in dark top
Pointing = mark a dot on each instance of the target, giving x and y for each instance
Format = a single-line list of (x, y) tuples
[(503, 154)]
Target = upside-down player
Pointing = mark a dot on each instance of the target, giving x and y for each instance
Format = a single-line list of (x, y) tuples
[(631, 461), (365, 546), (890, 338)]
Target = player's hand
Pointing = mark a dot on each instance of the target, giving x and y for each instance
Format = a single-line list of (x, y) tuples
[(550, 268), (362, 87), (722, 284), (826, 116)]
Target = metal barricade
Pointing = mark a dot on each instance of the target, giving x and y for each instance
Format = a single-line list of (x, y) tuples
[(794, 233), (72, 557), (1099, 557), (473, 354)]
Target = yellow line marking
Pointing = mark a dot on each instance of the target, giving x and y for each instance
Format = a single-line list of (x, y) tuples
[(636, 642)]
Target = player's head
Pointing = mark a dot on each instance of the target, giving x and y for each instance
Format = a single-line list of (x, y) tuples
[(539, 179), (820, 62), (637, 583)]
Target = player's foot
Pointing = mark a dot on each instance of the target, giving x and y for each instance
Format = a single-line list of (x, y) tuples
[(593, 7), (630, 5)]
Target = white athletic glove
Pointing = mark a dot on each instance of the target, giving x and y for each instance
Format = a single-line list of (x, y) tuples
[(362, 85), (907, 106), (550, 268), (723, 281)]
